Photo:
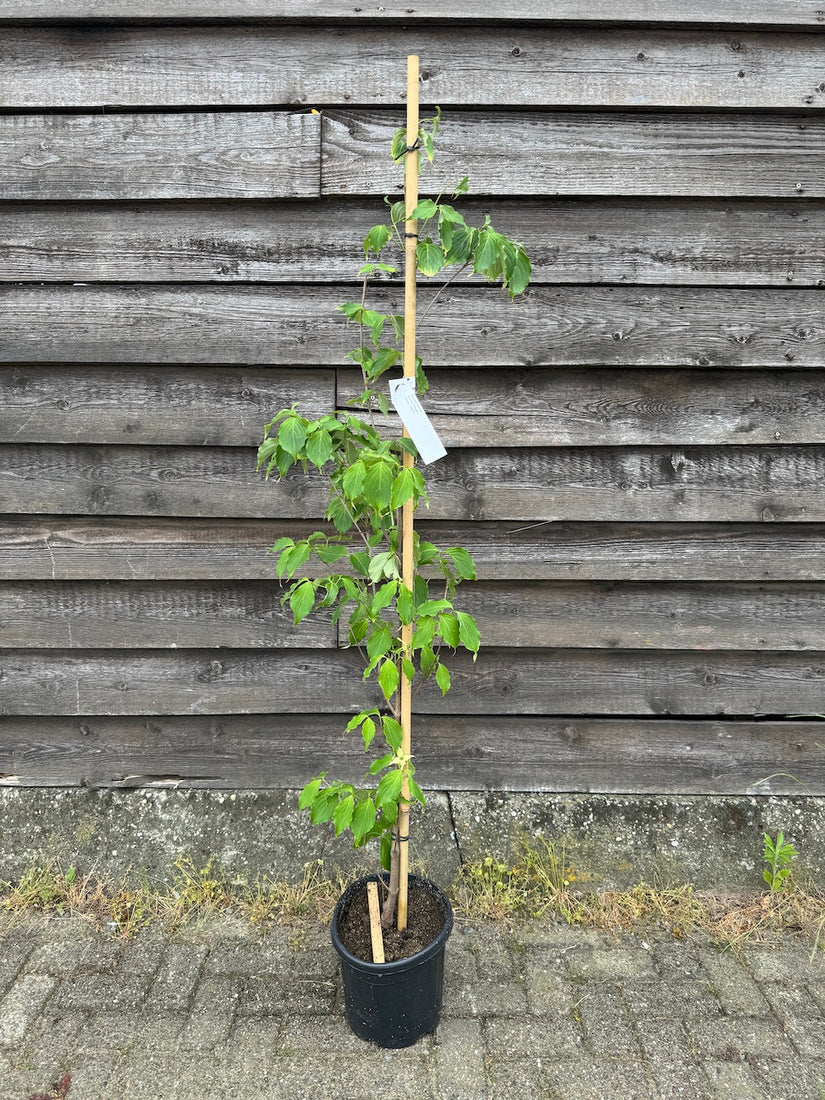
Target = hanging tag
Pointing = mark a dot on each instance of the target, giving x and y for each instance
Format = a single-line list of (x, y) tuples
[(415, 420)]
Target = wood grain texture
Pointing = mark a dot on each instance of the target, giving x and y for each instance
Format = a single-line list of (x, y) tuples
[(586, 153), (113, 548), (628, 485), (527, 682), (95, 615), (471, 326), (521, 66), (779, 13), (542, 408), (615, 756), (708, 617), (249, 615), (189, 406), (229, 406), (159, 156), (652, 241)]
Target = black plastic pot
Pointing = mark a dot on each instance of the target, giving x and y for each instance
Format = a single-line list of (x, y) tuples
[(393, 1004)]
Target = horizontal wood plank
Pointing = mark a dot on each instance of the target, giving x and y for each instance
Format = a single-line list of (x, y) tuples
[(612, 756), (522, 66), (229, 406), (654, 241), (190, 406), (780, 13), (648, 616), (471, 326), (586, 153), (541, 408), (643, 485), (95, 615), (523, 682), (179, 615), (113, 548), (160, 156)]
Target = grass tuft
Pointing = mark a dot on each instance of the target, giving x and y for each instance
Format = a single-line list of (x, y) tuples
[(539, 883)]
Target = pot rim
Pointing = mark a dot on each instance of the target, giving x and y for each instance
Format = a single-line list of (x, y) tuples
[(411, 961)]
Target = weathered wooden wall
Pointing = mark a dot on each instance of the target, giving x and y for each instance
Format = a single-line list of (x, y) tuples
[(637, 450)]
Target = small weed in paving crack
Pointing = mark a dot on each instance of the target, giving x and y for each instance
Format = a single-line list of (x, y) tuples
[(59, 1090)]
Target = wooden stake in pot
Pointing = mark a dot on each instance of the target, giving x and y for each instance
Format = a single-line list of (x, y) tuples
[(410, 269), (375, 923)]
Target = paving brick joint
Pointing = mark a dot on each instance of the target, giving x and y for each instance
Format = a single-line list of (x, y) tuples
[(220, 1010)]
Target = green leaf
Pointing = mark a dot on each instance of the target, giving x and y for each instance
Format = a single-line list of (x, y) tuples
[(319, 448), (384, 596), (442, 678), (381, 565), (363, 819), (302, 600), (376, 239), (425, 209), (308, 794), (398, 146), (408, 669), (433, 607), (487, 258), (421, 382), (427, 143), (462, 187), (404, 605), (358, 719), (416, 792), (468, 632), (428, 660), (331, 553), (324, 806), (367, 269), (343, 814), (448, 213), (461, 245), (393, 734), (292, 558), (398, 211), (388, 678), (519, 276), (382, 762), (383, 360), (430, 257), (463, 562), (379, 642), (389, 788), (449, 631), (406, 486), (292, 435), (353, 481), (368, 732), (424, 633), (378, 485)]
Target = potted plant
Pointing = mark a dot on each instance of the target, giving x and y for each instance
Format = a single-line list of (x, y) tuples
[(382, 585)]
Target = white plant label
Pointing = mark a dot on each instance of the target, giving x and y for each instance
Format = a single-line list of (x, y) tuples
[(415, 420)]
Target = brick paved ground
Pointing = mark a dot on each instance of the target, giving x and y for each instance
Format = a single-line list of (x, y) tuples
[(538, 1012)]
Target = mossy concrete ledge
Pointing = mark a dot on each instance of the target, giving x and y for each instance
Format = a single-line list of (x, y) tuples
[(143, 831), (616, 841), (610, 840)]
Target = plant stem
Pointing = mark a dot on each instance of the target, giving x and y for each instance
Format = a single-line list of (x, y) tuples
[(440, 291), (388, 910)]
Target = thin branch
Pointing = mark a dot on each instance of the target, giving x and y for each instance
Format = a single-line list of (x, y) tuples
[(441, 290)]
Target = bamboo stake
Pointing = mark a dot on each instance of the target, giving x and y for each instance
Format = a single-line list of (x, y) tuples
[(375, 923), (410, 267)]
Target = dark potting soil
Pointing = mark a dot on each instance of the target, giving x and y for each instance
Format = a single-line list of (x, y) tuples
[(425, 919)]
